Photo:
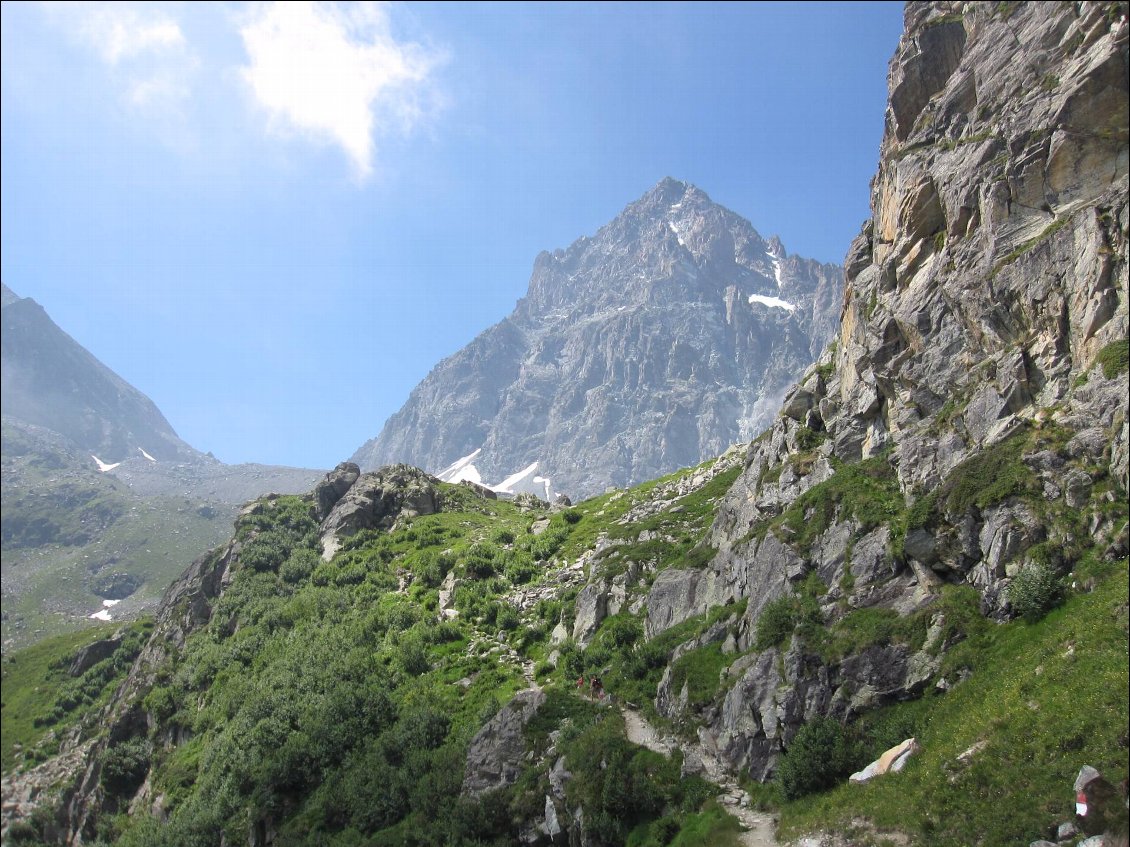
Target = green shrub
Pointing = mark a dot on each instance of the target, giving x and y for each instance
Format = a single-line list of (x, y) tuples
[(818, 758), (1115, 358), (775, 623), (987, 478), (299, 565), (502, 535), (507, 617), (571, 516), (782, 617), (124, 767), (1034, 591), (809, 439)]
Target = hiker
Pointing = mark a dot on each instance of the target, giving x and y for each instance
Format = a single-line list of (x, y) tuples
[(597, 689), (581, 683)]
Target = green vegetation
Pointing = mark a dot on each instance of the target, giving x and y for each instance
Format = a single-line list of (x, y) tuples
[(1045, 698), (863, 628), (70, 513), (700, 670), (987, 478), (1034, 591), (866, 491), (41, 696), (1114, 358), (330, 697), (620, 785), (712, 827), (818, 757)]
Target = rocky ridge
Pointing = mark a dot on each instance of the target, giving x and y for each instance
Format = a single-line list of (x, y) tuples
[(979, 299), (655, 344)]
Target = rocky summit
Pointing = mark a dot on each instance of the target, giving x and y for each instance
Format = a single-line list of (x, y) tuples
[(657, 343)]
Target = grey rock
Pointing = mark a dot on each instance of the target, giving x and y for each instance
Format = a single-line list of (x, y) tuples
[(1077, 488), (635, 352), (92, 654), (332, 488), (375, 501), (1085, 777), (495, 755), (591, 609)]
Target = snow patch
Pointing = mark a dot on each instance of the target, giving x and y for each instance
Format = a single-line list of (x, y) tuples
[(102, 615), (526, 481), (102, 466), (147, 456), (772, 302), (678, 235), (109, 604), (462, 469)]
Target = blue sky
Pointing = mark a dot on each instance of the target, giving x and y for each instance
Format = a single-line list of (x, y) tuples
[(275, 219)]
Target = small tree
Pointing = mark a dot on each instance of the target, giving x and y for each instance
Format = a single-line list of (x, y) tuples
[(820, 756), (1034, 591)]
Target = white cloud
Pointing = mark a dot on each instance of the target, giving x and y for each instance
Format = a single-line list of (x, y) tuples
[(149, 58), (117, 31), (336, 73)]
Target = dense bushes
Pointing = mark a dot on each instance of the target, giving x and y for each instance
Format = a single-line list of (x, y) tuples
[(619, 784), (124, 766), (820, 755)]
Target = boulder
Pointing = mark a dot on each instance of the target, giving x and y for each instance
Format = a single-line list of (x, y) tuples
[(376, 501), (332, 488), (892, 761), (496, 753)]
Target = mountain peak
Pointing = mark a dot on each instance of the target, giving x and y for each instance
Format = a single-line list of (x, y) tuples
[(649, 346), (8, 295)]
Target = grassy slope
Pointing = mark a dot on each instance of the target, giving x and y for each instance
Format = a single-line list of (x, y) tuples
[(1047, 698), (47, 589), (32, 681)]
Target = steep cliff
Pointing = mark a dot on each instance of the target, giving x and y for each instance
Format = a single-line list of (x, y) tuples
[(970, 426), (657, 343)]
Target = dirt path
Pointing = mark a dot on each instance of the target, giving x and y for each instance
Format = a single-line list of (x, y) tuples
[(759, 825)]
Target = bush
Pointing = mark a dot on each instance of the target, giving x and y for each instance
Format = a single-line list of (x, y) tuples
[(502, 535), (819, 757), (1034, 591), (299, 565), (571, 516), (781, 617), (507, 617), (124, 767)]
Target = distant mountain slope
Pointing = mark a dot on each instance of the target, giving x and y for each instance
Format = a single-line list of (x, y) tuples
[(51, 380), (658, 342), (102, 501)]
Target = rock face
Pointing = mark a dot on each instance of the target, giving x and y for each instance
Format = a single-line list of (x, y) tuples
[(330, 490), (495, 756), (635, 352), (374, 501), (978, 300)]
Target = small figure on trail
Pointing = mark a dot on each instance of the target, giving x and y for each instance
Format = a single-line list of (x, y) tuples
[(581, 683), (597, 689)]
